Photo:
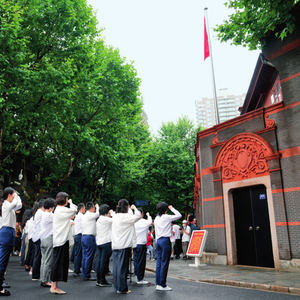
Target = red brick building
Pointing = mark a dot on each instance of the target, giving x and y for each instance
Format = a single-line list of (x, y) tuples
[(247, 170)]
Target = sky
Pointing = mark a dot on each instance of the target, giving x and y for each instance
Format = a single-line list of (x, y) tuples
[(164, 40)]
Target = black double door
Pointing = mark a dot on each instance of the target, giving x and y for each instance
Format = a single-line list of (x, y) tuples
[(252, 227)]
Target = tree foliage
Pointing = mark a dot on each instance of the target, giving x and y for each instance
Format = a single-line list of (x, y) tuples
[(252, 19), (170, 165), (67, 101)]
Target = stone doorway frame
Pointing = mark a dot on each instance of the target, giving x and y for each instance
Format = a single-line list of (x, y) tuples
[(229, 216)]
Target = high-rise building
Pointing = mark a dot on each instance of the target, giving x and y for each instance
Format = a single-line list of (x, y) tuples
[(228, 108)]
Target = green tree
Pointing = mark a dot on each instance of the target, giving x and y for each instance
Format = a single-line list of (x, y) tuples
[(252, 19), (67, 101), (170, 165)]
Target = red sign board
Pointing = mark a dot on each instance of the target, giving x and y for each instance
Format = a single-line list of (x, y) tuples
[(197, 243)]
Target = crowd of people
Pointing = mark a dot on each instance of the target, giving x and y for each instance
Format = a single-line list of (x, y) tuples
[(50, 236)]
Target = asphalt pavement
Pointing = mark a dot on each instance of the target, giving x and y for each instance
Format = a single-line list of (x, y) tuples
[(239, 276), (23, 288)]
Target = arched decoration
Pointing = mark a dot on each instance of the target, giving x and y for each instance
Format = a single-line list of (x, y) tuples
[(244, 156)]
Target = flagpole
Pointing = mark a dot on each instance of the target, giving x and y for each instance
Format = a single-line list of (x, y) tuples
[(212, 70)]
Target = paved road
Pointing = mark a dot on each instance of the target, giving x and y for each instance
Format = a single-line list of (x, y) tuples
[(23, 288)]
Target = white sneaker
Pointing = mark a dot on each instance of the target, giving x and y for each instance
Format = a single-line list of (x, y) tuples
[(71, 271), (160, 288), (142, 282)]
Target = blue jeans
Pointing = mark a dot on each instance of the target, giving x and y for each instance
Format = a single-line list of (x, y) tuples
[(7, 242), (78, 253), (163, 252), (139, 260), (88, 243), (150, 248), (104, 253)]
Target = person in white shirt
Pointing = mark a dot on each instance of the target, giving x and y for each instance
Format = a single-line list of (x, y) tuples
[(139, 259), (11, 204), (103, 241), (36, 265), (88, 240), (29, 256), (163, 230), (177, 248), (77, 240), (185, 231), (46, 237), (61, 234), (123, 239)]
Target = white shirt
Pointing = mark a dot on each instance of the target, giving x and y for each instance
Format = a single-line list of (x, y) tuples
[(46, 225), (78, 219), (123, 230), (172, 238), (30, 228), (62, 224), (186, 237), (88, 222), (163, 226), (8, 212), (141, 230), (176, 228), (37, 225), (103, 230)]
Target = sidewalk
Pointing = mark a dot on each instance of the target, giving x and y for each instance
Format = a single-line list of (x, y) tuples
[(240, 276)]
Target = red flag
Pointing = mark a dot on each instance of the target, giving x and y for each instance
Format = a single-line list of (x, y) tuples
[(206, 45)]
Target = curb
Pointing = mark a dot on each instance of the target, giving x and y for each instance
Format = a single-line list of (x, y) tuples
[(249, 285)]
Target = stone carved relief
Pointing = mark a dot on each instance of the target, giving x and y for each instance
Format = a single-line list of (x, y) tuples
[(269, 122), (244, 157), (215, 139)]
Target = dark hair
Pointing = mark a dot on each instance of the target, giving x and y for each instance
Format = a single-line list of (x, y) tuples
[(161, 207), (61, 198), (49, 203), (41, 203), (140, 210), (80, 206), (35, 208), (7, 191), (122, 206), (89, 205), (1, 203), (104, 209), (26, 216)]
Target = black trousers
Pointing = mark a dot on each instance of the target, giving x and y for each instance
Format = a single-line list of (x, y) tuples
[(60, 263), (36, 265), (29, 257)]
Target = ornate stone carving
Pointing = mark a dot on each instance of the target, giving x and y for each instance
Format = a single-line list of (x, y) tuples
[(215, 139), (243, 156), (269, 122)]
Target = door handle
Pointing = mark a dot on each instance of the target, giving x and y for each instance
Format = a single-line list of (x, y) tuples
[(250, 228), (257, 227)]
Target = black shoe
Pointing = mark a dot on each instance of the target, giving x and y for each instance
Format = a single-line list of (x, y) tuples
[(109, 273), (5, 285), (76, 274), (43, 284), (105, 284), (6, 293), (90, 279)]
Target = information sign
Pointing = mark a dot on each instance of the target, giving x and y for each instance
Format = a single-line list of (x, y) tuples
[(196, 245)]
